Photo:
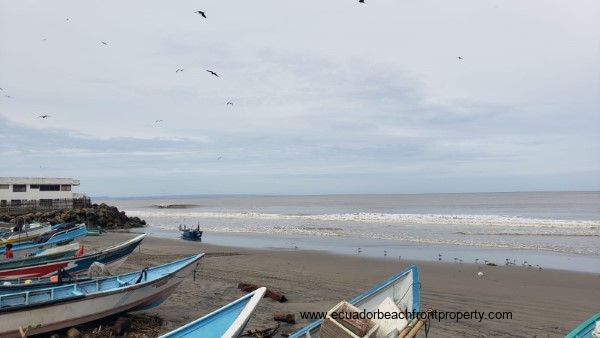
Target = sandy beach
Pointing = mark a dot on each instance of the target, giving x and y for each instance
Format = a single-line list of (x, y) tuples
[(545, 303)]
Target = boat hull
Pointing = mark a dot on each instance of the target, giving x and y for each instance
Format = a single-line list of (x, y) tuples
[(52, 317), (585, 329), (112, 257)]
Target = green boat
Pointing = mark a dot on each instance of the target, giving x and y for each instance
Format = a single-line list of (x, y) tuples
[(588, 329)]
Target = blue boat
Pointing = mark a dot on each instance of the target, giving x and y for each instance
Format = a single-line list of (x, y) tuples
[(587, 329), (190, 234), (403, 288), (55, 308), (58, 238), (227, 322)]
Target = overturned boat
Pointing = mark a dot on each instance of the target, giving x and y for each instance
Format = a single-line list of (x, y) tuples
[(50, 309)]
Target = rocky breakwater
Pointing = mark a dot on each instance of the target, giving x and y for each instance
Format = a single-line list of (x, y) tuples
[(103, 215)]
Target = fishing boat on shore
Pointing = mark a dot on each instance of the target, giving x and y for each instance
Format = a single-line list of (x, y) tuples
[(42, 256), (25, 234), (112, 257), (28, 248), (588, 329), (50, 309), (226, 322), (403, 289)]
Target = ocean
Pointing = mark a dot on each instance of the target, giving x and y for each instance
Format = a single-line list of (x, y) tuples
[(546, 229)]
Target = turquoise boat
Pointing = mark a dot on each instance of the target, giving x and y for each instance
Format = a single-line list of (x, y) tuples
[(226, 322), (51, 309), (61, 237), (587, 328), (403, 288)]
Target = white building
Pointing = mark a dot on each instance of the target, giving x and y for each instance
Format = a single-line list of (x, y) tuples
[(37, 191)]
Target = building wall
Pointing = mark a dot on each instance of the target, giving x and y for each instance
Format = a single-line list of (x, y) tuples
[(66, 188)]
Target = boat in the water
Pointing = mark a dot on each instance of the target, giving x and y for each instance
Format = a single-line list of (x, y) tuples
[(29, 248), (226, 322), (25, 234), (403, 289), (588, 329), (42, 256), (50, 309), (112, 257), (191, 234)]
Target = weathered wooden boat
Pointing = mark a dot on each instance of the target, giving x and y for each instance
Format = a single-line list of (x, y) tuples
[(588, 329), (42, 256), (45, 310), (190, 234), (112, 257), (403, 288), (28, 248), (25, 234), (226, 322)]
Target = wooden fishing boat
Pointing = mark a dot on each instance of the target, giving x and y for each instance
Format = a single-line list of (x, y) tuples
[(42, 256), (112, 257), (226, 322), (26, 284), (190, 234), (24, 235), (403, 288), (50, 309), (588, 329), (28, 248)]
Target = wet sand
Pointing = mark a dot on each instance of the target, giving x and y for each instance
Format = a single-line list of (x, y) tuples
[(545, 303)]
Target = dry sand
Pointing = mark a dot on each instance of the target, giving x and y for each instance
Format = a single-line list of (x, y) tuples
[(545, 303)]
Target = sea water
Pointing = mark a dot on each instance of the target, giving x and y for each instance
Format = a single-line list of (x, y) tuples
[(550, 229)]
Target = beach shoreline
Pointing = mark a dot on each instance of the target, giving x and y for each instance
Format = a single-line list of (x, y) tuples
[(542, 303)]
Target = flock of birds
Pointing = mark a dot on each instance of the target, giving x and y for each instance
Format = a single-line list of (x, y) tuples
[(178, 70), (508, 261)]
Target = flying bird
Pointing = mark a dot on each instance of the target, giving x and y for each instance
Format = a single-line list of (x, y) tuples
[(361, 1), (1, 88), (230, 103), (68, 19), (43, 116), (179, 70), (8, 96), (201, 13), (158, 121), (213, 73), (219, 158), (104, 43), (460, 57)]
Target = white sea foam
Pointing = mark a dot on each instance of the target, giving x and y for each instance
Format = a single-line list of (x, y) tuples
[(381, 218)]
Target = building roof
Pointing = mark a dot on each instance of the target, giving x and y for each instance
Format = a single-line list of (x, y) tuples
[(38, 180)]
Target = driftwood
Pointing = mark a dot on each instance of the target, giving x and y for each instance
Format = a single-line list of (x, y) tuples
[(264, 333), (289, 318), (247, 287)]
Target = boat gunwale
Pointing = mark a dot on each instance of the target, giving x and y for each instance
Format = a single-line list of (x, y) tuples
[(576, 331)]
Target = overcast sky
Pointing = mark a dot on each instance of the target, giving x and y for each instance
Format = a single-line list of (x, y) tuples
[(329, 96)]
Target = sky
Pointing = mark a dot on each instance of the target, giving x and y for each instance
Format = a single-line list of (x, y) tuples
[(329, 96)]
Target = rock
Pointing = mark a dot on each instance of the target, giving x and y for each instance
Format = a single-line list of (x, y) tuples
[(121, 326), (74, 333)]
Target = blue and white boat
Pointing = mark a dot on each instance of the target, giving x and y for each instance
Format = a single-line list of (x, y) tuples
[(226, 322), (50, 309), (588, 329), (403, 289), (62, 237)]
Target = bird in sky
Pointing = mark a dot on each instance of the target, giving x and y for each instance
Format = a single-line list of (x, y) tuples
[(361, 1), (201, 13), (213, 73), (44, 39), (8, 96), (179, 70), (43, 116), (158, 121), (220, 157), (460, 57), (104, 43), (1, 88), (230, 103), (68, 19)]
